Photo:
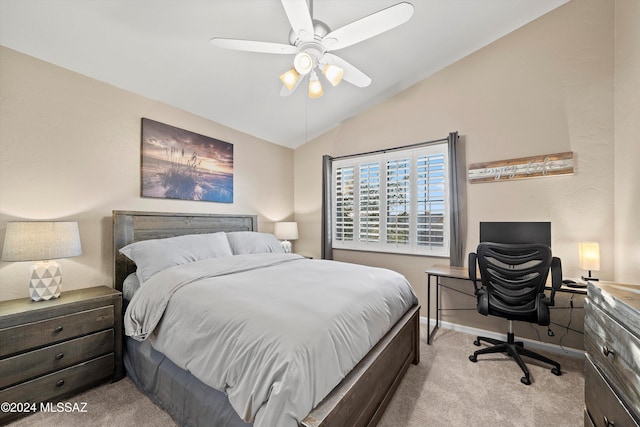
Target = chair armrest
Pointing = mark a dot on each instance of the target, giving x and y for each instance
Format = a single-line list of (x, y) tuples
[(556, 277), (472, 270)]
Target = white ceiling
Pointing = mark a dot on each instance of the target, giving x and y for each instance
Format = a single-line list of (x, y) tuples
[(160, 49)]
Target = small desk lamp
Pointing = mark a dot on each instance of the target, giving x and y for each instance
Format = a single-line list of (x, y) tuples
[(42, 242), (286, 231), (589, 258)]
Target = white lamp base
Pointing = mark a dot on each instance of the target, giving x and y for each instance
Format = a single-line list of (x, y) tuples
[(46, 280), (287, 246)]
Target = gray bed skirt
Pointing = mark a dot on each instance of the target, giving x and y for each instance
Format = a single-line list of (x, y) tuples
[(189, 401)]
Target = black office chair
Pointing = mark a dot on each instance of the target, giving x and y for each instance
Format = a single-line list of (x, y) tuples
[(513, 283)]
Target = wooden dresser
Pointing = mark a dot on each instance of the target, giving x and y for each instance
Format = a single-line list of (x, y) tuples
[(50, 350), (612, 342)]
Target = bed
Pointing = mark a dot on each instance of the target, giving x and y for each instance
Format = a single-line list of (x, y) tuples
[(359, 399)]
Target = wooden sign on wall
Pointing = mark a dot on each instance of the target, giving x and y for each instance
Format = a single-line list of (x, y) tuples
[(522, 168)]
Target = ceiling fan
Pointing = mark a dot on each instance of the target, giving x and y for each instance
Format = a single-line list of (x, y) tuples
[(311, 40)]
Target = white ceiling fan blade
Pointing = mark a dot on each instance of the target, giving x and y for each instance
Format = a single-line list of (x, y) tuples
[(368, 27), (286, 92), (253, 46), (351, 73), (299, 18)]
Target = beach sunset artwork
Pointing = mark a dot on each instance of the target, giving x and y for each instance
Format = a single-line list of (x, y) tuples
[(178, 164)]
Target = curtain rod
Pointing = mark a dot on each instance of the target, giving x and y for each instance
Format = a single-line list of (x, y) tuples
[(387, 150)]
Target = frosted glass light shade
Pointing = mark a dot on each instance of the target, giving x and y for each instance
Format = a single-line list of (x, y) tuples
[(290, 78), (303, 63), (315, 88), (333, 73)]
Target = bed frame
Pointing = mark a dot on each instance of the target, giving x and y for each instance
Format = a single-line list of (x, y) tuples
[(362, 396)]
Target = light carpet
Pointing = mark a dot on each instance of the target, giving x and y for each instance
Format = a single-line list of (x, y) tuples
[(445, 389)]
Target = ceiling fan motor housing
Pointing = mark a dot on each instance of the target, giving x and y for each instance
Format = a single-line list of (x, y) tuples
[(320, 29)]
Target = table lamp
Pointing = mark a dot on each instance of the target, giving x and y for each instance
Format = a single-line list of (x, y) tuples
[(589, 258), (43, 242), (286, 231)]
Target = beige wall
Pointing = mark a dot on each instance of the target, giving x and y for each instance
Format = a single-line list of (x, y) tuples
[(627, 138), (545, 88), (70, 149)]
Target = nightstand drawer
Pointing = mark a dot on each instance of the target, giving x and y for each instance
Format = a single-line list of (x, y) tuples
[(61, 383), (588, 422), (55, 357), (604, 407), (37, 334), (615, 351)]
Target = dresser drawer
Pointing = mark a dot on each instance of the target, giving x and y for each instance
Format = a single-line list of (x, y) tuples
[(56, 329), (615, 351), (588, 422), (55, 357), (58, 385), (61, 383), (604, 407)]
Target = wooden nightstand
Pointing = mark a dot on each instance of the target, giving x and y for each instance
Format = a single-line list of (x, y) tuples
[(52, 349)]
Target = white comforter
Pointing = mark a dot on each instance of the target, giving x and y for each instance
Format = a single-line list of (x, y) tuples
[(275, 332)]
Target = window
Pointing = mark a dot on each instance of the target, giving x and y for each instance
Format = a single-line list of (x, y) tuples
[(393, 202)]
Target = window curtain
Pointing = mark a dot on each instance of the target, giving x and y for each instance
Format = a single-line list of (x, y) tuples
[(457, 200), (326, 245)]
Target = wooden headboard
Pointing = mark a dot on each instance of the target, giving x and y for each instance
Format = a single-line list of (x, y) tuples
[(132, 226)]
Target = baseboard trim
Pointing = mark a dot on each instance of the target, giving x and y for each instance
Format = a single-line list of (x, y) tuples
[(538, 345)]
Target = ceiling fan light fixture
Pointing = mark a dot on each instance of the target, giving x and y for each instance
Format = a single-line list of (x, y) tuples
[(333, 73), (315, 88), (290, 78), (303, 63)]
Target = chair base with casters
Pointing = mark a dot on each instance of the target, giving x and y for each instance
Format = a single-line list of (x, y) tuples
[(515, 349)]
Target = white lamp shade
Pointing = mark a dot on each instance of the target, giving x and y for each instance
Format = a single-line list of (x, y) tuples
[(589, 256), (37, 241), (286, 230)]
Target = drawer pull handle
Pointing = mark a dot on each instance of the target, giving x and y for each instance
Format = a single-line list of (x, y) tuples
[(59, 356), (58, 329), (608, 423), (607, 352), (60, 383)]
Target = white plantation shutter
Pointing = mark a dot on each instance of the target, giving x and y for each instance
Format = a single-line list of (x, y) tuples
[(344, 202), (397, 202), (431, 195), (369, 203)]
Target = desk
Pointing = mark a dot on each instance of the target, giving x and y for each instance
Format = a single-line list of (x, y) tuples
[(462, 273)]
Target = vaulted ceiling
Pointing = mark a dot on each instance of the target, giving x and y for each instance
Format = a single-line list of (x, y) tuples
[(160, 49)]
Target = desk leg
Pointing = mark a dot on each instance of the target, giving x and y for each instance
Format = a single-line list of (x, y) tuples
[(437, 304), (430, 332), (435, 328), (428, 309)]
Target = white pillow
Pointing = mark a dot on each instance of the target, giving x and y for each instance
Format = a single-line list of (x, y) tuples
[(252, 242), (152, 256), (130, 286)]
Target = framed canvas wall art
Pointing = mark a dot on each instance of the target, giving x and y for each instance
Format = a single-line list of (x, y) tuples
[(179, 164)]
